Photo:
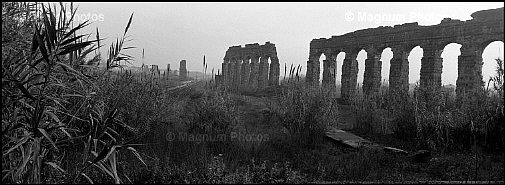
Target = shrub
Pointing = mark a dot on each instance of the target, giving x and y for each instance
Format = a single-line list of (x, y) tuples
[(305, 112)]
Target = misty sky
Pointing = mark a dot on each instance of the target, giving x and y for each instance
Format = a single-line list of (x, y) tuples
[(171, 32)]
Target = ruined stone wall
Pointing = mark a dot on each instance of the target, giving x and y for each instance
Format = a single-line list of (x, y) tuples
[(485, 26), (248, 67)]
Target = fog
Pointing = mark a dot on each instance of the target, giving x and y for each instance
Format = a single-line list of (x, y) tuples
[(171, 32)]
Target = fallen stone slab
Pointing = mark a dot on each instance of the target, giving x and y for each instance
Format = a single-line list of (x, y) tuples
[(395, 150), (347, 138), (354, 141)]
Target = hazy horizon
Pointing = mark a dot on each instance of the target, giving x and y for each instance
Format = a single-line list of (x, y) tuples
[(171, 32)]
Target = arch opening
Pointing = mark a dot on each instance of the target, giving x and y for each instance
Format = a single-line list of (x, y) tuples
[(268, 71), (386, 56), (322, 57), (450, 55), (492, 52), (414, 58), (340, 60), (362, 56)]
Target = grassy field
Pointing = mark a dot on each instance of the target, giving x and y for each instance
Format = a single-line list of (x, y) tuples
[(67, 120)]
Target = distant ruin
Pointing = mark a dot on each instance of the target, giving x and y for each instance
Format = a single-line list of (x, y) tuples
[(249, 67), (155, 71), (183, 73), (474, 35)]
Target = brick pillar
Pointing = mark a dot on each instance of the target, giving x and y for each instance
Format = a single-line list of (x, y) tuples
[(308, 74), (349, 75), (246, 70), (316, 70), (431, 69), (469, 69), (273, 77), (399, 70), (253, 79), (263, 73), (237, 73), (329, 70), (224, 72), (372, 76), (230, 73)]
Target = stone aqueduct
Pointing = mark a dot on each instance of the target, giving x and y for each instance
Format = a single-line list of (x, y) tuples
[(248, 66), (474, 35)]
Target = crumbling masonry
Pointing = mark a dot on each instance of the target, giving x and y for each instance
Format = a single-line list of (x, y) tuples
[(474, 35), (248, 67)]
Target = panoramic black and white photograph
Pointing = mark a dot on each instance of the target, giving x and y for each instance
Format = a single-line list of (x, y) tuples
[(253, 92)]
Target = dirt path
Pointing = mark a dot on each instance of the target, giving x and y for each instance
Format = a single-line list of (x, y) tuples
[(184, 84)]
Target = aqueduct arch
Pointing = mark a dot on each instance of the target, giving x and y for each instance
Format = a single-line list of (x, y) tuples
[(249, 67), (474, 35)]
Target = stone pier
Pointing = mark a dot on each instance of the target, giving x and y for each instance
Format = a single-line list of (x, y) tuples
[(349, 75), (273, 75), (372, 77), (399, 70), (255, 70), (329, 72), (431, 68), (224, 74), (263, 73), (246, 71), (470, 68)]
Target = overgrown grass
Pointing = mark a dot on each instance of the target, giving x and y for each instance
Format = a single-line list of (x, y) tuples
[(440, 120), (306, 112)]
